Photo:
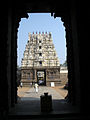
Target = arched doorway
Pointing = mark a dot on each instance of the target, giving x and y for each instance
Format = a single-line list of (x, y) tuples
[(69, 18), (71, 96), (41, 77)]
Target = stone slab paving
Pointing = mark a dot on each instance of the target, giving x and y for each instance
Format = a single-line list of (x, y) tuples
[(30, 104), (32, 95)]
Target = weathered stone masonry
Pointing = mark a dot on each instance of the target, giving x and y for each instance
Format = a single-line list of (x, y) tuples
[(40, 58)]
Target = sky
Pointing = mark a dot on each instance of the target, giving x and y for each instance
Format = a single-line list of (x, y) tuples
[(42, 22)]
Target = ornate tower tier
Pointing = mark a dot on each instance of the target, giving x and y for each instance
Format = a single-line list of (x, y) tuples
[(40, 62)]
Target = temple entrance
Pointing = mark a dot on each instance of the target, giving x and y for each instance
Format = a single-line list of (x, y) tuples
[(41, 77), (40, 57)]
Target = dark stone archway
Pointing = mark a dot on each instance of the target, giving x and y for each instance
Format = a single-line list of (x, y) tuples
[(76, 21)]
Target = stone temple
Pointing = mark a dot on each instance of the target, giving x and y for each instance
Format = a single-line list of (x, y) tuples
[(40, 62)]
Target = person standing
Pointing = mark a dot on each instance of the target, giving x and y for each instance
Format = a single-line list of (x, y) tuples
[(21, 84)]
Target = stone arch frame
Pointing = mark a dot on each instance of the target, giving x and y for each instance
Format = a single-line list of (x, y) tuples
[(72, 50), (70, 27), (77, 22), (66, 19)]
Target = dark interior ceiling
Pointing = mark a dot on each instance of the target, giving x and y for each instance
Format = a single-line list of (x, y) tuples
[(40, 6)]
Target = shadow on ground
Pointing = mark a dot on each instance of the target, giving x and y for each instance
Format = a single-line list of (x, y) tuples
[(29, 106)]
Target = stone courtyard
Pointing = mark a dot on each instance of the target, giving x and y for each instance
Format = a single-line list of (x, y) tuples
[(30, 94)]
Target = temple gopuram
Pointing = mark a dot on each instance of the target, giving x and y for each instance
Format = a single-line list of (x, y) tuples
[(40, 63)]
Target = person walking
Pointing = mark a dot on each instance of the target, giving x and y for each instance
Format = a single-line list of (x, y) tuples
[(36, 87)]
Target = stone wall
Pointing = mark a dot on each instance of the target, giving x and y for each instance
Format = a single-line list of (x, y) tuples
[(63, 77), (29, 75), (51, 75)]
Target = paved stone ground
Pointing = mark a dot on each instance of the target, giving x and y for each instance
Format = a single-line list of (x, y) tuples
[(32, 95), (30, 104)]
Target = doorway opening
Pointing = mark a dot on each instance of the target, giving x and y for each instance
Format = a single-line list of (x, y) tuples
[(53, 78), (41, 77)]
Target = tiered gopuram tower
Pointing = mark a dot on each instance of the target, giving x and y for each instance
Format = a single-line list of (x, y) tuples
[(40, 62)]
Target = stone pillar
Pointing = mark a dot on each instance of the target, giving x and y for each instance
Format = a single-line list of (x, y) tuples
[(83, 29), (35, 74), (76, 55), (13, 65), (9, 49), (15, 23), (70, 58), (4, 52)]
